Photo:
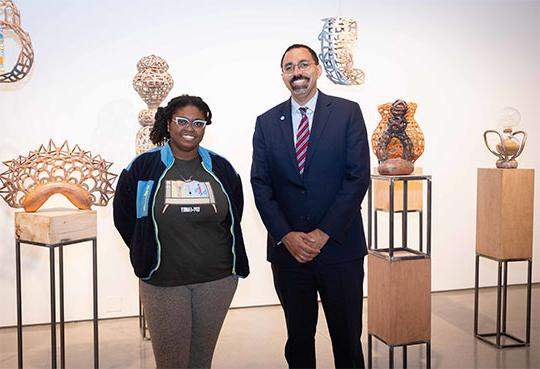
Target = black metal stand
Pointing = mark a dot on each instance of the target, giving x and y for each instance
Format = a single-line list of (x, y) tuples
[(420, 228), (142, 322), (391, 250), (391, 352), (502, 302), (373, 223), (52, 280)]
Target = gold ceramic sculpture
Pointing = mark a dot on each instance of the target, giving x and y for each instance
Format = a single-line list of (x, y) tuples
[(10, 20), (153, 83), (398, 140), (511, 143), (82, 178)]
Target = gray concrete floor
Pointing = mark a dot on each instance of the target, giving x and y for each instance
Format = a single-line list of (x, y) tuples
[(254, 338)]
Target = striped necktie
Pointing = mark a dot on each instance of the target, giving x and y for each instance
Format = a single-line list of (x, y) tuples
[(302, 138)]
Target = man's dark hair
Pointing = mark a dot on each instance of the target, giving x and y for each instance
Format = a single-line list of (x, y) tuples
[(159, 133), (300, 46)]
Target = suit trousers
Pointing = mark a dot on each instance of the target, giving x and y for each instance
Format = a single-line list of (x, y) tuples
[(340, 287)]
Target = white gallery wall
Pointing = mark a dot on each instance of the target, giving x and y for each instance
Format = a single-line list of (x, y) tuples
[(460, 61)]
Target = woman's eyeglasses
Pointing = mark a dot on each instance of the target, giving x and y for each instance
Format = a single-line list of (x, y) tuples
[(195, 123)]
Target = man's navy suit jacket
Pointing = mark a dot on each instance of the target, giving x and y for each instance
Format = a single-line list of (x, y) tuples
[(328, 195)]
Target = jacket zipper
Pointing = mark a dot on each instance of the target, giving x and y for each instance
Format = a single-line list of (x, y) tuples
[(230, 211), (158, 185)]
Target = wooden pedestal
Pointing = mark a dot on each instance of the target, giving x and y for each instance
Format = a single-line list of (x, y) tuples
[(414, 199), (53, 226), (55, 229), (504, 213), (399, 299)]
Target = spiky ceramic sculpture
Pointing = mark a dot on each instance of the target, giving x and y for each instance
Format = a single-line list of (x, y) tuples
[(82, 178)]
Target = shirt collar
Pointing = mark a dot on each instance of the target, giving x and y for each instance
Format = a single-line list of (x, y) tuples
[(310, 104)]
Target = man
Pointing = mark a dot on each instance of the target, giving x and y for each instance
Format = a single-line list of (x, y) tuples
[(309, 174)]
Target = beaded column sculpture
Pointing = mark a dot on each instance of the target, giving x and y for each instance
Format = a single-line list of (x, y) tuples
[(153, 83)]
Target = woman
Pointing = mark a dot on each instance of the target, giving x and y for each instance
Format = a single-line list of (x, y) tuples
[(178, 208)]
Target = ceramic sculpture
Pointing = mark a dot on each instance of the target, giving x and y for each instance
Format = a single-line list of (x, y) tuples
[(10, 21), (511, 143), (153, 83), (398, 140), (337, 39), (82, 178)]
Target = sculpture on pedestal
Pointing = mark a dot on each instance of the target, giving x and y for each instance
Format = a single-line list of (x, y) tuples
[(153, 83), (82, 178), (397, 140), (510, 144), (10, 21)]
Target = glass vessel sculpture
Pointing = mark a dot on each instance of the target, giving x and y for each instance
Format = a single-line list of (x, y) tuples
[(511, 143)]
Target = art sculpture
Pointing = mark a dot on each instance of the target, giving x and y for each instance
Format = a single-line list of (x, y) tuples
[(1, 49), (511, 143), (82, 178), (337, 38), (10, 21), (153, 83), (397, 141)]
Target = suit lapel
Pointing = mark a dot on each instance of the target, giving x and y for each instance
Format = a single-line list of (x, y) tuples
[(322, 114), (285, 124)]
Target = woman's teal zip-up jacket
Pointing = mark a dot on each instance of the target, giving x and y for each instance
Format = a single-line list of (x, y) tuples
[(135, 197)]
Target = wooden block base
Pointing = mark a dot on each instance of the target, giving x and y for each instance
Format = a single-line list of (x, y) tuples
[(381, 189), (50, 226), (399, 299), (504, 213)]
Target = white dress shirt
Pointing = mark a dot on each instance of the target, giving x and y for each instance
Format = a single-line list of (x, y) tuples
[(296, 115)]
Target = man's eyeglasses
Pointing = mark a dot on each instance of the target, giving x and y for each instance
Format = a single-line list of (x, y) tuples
[(195, 123), (302, 66)]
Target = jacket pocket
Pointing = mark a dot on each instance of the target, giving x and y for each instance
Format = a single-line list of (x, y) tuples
[(144, 188)]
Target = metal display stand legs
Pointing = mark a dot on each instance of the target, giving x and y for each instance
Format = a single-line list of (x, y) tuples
[(143, 327), (373, 219), (403, 216), (504, 233), (502, 303), (399, 276), (391, 352), (52, 280)]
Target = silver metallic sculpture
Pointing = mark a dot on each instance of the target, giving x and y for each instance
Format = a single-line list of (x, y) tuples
[(337, 38)]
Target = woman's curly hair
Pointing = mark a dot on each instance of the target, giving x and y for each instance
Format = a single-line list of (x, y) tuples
[(159, 134)]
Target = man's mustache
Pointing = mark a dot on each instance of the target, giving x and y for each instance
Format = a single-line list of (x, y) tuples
[(298, 78)]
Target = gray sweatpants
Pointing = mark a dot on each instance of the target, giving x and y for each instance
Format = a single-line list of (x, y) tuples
[(185, 321)]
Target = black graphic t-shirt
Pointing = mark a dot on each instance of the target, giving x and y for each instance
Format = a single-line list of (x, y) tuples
[(191, 212)]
